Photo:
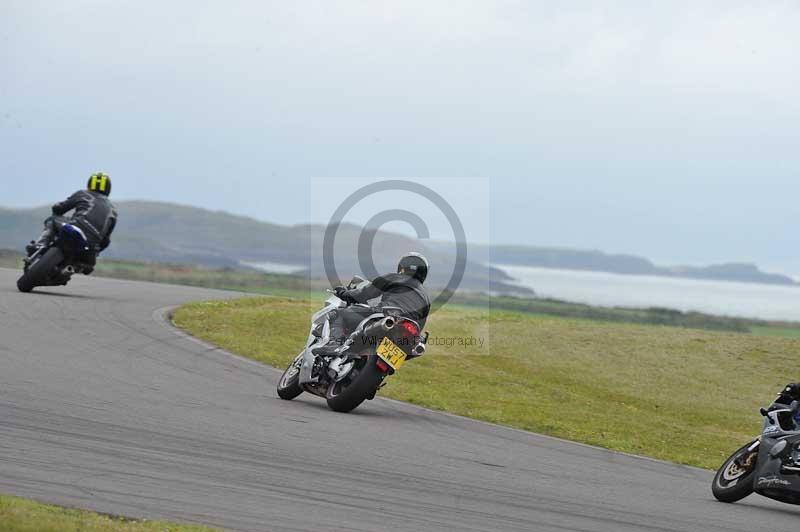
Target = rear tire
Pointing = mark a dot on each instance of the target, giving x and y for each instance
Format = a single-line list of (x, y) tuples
[(347, 394), (38, 271), (733, 482), (289, 385)]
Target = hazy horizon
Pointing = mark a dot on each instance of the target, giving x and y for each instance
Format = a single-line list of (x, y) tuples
[(666, 131), (398, 228)]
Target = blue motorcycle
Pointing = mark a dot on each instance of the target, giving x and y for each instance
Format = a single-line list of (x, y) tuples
[(68, 252)]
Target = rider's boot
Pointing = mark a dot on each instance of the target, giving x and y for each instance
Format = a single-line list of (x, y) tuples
[(336, 343), (334, 347), (42, 241)]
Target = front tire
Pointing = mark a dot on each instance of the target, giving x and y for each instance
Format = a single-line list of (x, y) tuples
[(359, 385), (37, 273), (734, 482), (289, 385)]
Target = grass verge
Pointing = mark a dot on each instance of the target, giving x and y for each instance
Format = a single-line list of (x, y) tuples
[(683, 395), (23, 515)]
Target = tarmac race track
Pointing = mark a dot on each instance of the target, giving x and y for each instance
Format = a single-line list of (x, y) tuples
[(104, 406)]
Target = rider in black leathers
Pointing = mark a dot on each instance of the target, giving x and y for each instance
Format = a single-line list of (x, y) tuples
[(402, 290), (93, 213)]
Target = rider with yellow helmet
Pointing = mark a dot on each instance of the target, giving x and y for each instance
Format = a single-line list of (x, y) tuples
[(92, 211)]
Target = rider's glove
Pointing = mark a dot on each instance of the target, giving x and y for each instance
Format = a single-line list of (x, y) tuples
[(344, 294), (340, 291)]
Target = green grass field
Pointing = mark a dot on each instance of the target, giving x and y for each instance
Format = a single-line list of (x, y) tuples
[(684, 395), (23, 515)]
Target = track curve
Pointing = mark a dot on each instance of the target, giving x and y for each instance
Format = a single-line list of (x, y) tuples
[(103, 406)]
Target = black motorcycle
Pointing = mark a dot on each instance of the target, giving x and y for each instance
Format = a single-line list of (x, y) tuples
[(381, 343), (768, 465), (68, 252)]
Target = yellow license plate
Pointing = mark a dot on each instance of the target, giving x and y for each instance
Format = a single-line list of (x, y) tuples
[(391, 353)]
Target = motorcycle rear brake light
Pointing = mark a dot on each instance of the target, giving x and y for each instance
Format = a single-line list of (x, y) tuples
[(412, 329), (383, 366)]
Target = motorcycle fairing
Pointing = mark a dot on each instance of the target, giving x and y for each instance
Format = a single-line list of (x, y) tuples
[(72, 239), (777, 474)]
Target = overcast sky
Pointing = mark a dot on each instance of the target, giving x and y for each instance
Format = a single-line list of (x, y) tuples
[(666, 129)]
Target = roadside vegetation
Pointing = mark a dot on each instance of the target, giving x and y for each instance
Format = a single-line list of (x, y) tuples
[(651, 315), (23, 515), (302, 287), (684, 395), (777, 330)]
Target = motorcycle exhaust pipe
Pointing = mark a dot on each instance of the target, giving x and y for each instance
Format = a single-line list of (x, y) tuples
[(419, 350), (372, 335), (69, 270)]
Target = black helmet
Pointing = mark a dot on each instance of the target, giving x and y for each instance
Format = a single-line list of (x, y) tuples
[(415, 265), (99, 183)]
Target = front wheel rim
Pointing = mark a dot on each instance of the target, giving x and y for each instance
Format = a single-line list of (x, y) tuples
[(291, 372), (733, 472)]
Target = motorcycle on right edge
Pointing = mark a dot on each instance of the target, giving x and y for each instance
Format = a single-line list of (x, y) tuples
[(768, 465), (377, 348)]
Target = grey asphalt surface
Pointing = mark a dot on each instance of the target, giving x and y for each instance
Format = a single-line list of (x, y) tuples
[(104, 406)]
